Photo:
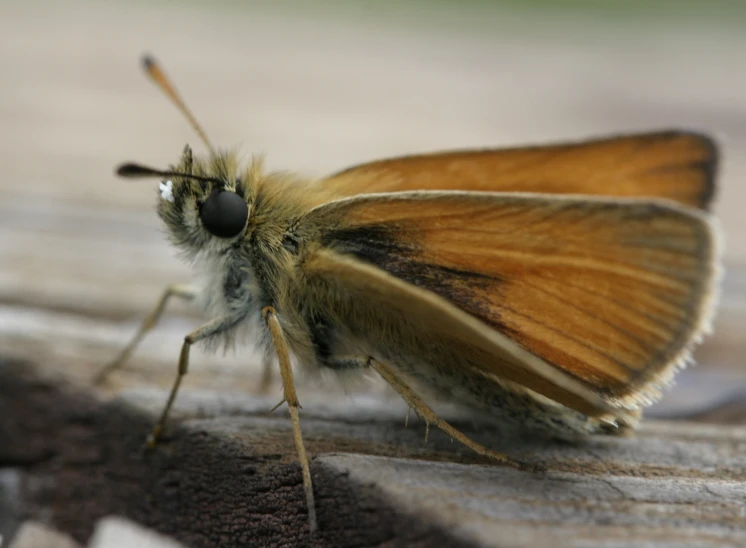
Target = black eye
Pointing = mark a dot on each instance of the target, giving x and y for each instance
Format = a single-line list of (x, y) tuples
[(224, 214)]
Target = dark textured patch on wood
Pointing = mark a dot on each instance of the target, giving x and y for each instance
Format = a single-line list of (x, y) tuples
[(83, 459)]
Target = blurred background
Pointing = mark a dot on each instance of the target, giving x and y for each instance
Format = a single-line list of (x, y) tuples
[(319, 86)]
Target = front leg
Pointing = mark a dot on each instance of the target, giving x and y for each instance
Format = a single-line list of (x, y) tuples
[(211, 328), (183, 291)]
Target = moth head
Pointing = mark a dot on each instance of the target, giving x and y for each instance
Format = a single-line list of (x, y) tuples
[(204, 203)]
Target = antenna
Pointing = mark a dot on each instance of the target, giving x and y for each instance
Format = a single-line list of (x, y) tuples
[(133, 171), (153, 69)]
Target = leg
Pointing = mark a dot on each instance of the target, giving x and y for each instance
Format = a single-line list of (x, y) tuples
[(288, 386), (184, 291), (211, 328), (423, 410)]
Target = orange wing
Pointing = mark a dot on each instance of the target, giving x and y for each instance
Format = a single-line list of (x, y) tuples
[(674, 165), (612, 292)]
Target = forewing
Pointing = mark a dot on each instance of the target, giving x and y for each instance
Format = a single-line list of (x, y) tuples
[(674, 165), (611, 293), (366, 300)]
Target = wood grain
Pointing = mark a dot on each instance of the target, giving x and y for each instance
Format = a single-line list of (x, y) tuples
[(83, 259)]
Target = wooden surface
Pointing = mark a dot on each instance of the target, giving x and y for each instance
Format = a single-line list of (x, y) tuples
[(83, 259), (228, 475)]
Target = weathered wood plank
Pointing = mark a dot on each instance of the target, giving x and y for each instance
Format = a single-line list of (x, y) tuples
[(228, 473), (83, 259)]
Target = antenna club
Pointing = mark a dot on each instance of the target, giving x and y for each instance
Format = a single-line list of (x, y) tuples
[(133, 170), (148, 61), (153, 70)]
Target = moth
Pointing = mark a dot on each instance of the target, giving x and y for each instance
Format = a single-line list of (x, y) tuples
[(555, 287)]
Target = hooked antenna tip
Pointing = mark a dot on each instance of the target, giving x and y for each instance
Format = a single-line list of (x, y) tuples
[(135, 170), (148, 62)]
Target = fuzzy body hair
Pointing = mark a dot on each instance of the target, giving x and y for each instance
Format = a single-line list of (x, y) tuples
[(263, 266)]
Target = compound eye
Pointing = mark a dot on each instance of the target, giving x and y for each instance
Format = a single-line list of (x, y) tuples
[(224, 214)]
